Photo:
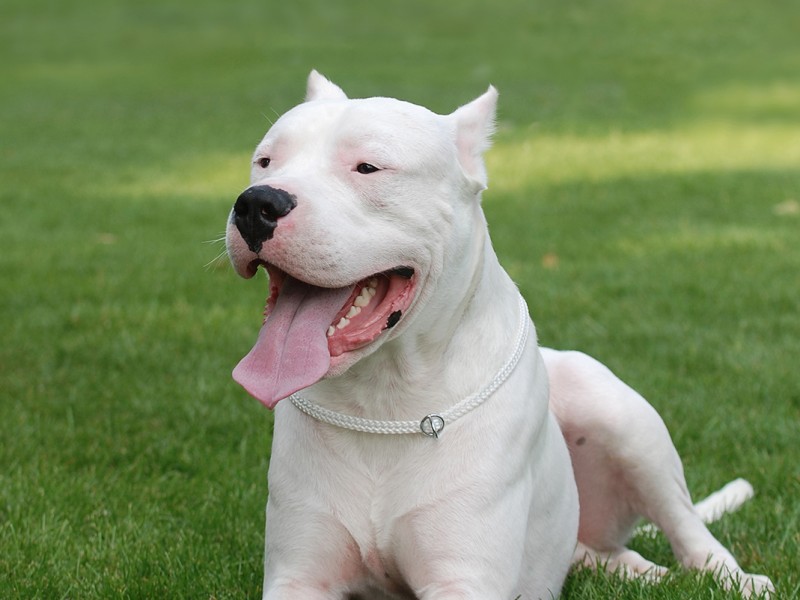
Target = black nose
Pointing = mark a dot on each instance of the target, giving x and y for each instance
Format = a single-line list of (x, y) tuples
[(257, 211)]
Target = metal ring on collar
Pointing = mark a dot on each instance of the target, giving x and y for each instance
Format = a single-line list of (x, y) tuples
[(432, 425)]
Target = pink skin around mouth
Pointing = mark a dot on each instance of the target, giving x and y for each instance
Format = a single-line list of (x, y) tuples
[(366, 314), (307, 329)]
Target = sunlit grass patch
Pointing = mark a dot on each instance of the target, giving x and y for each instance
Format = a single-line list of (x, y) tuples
[(768, 102), (199, 176), (540, 158)]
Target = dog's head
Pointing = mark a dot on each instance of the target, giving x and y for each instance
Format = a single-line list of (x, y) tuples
[(362, 211)]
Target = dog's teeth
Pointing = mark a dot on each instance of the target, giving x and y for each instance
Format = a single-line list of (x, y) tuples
[(373, 283), (362, 299), (354, 310), (331, 330), (343, 322), (371, 291)]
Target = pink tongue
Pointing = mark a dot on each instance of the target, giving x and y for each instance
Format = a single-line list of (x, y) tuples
[(291, 352)]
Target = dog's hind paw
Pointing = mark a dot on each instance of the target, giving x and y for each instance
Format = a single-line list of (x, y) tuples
[(757, 587), (624, 562)]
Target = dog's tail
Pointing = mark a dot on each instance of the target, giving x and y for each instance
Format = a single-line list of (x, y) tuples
[(729, 498)]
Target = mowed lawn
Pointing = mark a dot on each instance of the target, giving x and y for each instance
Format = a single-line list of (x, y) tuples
[(644, 193)]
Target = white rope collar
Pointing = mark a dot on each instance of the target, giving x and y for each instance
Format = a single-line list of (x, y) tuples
[(431, 425)]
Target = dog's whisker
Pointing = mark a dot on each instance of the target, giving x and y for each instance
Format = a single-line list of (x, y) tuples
[(269, 119), (219, 258), (217, 240), (222, 254)]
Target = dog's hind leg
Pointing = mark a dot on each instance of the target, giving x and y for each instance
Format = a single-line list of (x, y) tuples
[(727, 499), (696, 547), (626, 466)]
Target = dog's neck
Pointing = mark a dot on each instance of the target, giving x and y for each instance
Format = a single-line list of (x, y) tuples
[(438, 360), (431, 424)]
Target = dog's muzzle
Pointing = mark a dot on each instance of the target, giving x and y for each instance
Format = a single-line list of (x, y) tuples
[(256, 213)]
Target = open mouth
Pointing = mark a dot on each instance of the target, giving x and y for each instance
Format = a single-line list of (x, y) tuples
[(375, 304), (307, 326)]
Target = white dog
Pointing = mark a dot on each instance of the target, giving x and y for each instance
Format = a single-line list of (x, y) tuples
[(435, 452)]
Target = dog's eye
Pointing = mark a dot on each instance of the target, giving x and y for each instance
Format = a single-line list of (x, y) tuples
[(263, 162), (366, 168)]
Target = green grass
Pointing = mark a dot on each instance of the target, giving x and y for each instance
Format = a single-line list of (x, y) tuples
[(644, 193)]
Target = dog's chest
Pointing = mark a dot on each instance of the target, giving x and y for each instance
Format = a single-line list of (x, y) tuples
[(376, 492), (375, 531), (384, 575)]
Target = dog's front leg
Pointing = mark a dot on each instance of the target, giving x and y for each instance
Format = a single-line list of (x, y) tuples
[(456, 591), (308, 555), (291, 590), (444, 559), (446, 553)]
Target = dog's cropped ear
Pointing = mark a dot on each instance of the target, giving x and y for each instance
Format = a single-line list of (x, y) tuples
[(320, 88), (474, 124)]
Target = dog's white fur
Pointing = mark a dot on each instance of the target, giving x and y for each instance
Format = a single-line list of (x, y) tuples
[(490, 510)]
